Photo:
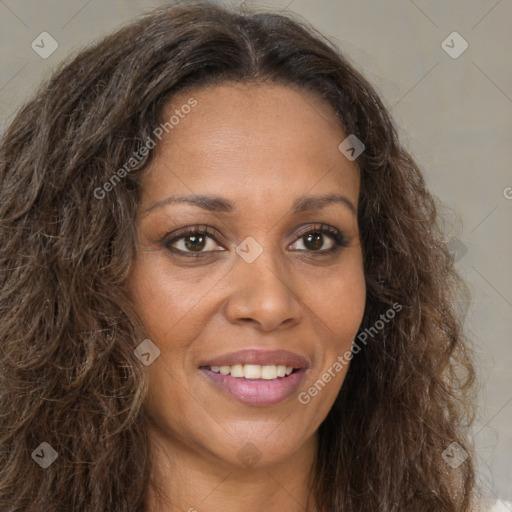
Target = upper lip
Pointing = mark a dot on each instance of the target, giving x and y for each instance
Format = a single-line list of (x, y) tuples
[(259, 357)]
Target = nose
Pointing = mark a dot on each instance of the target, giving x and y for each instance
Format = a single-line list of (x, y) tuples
[(264, 294)]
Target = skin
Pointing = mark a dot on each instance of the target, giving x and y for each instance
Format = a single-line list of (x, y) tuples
[(261, 146)]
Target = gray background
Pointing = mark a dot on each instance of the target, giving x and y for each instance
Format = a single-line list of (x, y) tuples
[(453, 115)]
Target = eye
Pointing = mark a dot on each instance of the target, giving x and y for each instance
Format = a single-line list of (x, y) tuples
[(314, 238), (197, 241), (193, 241)]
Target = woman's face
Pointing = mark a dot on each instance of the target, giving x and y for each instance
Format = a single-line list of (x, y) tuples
[(250, 163)]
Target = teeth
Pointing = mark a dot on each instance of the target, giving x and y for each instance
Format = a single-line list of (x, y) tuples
[(254, 371), (269, 372), (237, 370)]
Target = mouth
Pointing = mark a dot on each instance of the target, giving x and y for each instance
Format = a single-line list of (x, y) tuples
[(253, 371), (256, 378)]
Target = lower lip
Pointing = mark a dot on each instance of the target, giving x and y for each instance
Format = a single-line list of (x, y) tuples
[(257, 391)]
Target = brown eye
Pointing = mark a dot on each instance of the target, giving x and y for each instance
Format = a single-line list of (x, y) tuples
[(314, 239), (194, 242)]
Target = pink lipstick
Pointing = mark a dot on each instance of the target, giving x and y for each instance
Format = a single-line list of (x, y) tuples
[(255, 377)]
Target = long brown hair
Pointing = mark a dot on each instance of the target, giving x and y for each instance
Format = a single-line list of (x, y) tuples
[(69, 375)]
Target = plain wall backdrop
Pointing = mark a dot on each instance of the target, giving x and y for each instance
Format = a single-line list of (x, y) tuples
[(453, 107)]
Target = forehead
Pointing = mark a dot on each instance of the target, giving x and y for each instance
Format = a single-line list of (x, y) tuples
[(250, 139)]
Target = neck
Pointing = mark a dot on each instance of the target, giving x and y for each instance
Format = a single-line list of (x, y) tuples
[(182, 479)]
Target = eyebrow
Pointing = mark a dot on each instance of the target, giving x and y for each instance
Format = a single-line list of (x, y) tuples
[(221, 205)]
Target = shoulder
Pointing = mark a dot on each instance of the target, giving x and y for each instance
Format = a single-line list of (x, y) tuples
[(501, 506)]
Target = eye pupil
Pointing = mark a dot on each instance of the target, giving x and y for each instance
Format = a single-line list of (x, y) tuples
[(197, 243), (316, 238)]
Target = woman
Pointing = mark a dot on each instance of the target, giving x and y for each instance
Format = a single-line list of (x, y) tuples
[(224, 284)]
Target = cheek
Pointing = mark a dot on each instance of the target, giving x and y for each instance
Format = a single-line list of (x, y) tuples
[(167, 302), (339, 303), (174, 302), (347, 304), (339, 306)]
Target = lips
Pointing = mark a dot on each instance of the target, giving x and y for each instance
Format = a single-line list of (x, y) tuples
[(259, 357), (257, 392)]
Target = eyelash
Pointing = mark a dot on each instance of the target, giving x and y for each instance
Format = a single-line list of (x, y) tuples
[(336, 235)]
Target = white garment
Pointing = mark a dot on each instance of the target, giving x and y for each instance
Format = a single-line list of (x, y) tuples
[(502, 506)]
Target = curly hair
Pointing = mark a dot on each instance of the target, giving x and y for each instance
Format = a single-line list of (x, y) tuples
[(69, 375)]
